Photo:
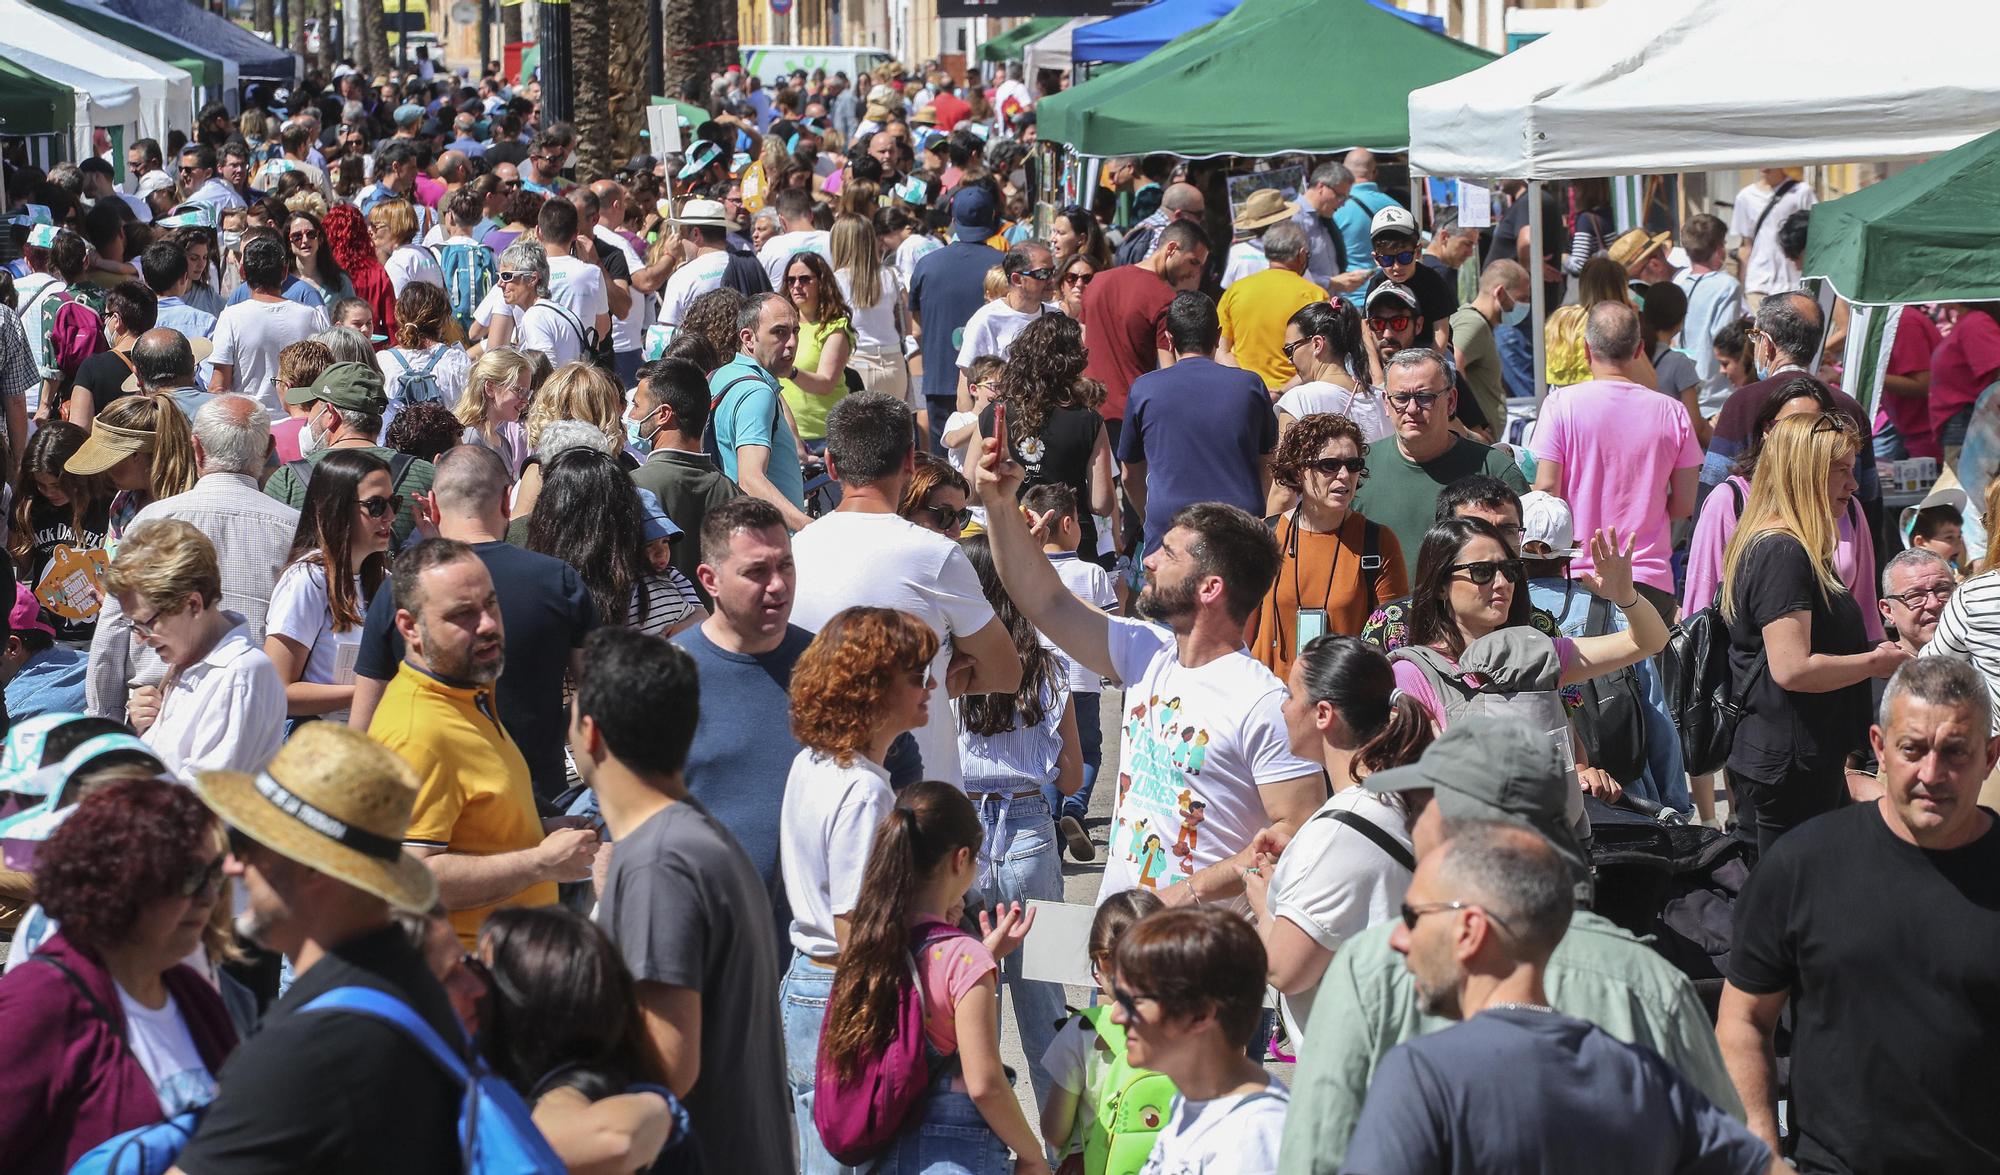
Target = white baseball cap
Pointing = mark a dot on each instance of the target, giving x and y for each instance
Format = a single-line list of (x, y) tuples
[(1545, 518), (1395, 219), (154, 181)]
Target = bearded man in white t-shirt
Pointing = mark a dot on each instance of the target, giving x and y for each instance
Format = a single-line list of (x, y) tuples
[(1204, 759)]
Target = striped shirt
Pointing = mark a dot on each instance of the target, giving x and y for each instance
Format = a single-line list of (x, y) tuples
[(1025, 754), (669, 600), (1970, 628)]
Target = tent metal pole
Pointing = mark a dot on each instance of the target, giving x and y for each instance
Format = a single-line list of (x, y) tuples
[(1538, 291)]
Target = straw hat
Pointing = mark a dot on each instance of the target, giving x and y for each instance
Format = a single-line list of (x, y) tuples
[(1634, 247), (338, 803), (1264, 207), (107, 445)]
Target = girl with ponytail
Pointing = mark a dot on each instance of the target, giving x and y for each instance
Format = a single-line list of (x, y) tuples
[(1347, 867), (924, 858)]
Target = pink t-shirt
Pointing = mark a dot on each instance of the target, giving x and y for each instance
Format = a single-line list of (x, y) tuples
[(950, 967), (1411, 680), (1619, 445), (1917, 339), (1964, 364)]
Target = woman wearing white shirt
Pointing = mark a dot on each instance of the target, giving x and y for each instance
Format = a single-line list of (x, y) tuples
[(393, 225), (336, 565), (221, 706), (1323, 341), (427, 363), (540, 322), (1338, 876), (875, 296), (862, 683)]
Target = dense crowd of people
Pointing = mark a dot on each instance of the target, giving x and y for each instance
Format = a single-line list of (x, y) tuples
[(638, 653)]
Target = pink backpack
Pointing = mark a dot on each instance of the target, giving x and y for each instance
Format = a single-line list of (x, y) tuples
[(75, 332), (858, 1118)]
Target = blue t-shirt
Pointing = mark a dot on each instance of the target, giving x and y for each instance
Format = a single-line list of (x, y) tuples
[(1355, 217), (743, 746), (1202, 429), (295, 290), (546, 612), (947, 285), (749, 413)]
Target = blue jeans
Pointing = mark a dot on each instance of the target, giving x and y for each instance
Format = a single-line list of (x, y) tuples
[(948, 1136), (1517, 362), (627, 364), (802, 999), (1021, 863), (1090, 731)]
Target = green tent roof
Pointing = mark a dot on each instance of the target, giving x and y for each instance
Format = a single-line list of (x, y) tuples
[(1272, 76), (1008, 45), (205, 71), (1925, 235), (31, 104)]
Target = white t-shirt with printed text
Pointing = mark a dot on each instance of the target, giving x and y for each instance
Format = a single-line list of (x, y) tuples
[(579, 285)]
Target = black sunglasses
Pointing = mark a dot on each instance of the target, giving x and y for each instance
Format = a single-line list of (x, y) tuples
[(1130, 1002), (377, 507), (1288, 348), (1331, 466), (1402, 258), (1411, 914), (1041, 275), (946, 517), (1423, 400), (202, 878), (1077, 279), (1482, 572)]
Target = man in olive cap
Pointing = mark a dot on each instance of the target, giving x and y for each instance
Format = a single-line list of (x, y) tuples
[(1484, 769), (344, 411)]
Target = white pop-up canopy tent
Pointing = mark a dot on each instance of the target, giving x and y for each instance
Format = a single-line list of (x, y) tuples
[(126, 88), (1054, 50), (1650, 86)]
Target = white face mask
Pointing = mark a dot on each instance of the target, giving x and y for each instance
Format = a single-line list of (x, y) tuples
[(311, 440)]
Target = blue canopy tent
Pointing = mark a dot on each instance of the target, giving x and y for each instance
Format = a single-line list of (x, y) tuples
[(1132, 35), (256, 59)]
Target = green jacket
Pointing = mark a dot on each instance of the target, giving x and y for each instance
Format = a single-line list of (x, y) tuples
[(1366, 1006)]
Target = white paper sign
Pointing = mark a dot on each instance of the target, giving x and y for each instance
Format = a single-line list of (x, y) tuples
[(663, 130), (1475, 205)]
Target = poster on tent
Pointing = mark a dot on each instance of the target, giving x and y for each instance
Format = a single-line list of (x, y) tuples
[(1289, 181)]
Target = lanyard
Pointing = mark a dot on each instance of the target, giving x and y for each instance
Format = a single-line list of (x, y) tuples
[(1298, 592)]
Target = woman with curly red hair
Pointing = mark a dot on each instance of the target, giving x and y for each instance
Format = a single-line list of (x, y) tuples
[(353, 245), (107, 1029), (862, 683)]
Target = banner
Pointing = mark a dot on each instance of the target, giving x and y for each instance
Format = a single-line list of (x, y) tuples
[(964, 8)]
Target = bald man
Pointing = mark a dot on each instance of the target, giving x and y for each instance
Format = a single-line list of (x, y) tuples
[(1181, 201), (1364, 200)]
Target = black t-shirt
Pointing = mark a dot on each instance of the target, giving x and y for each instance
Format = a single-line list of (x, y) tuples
[(512, 151), (1437, 299), (103, 375), (546, 612), (1782, 731), (1892, 957), (1059, 455), (1555, 240), (745, 274), (335, 1092)]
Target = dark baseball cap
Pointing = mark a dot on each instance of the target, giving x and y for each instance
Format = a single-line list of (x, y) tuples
[(1485, 768), (355, 387), (973, 214)]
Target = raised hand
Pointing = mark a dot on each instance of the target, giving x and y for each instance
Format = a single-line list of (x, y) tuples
[(1611, 574), (1005, 936)]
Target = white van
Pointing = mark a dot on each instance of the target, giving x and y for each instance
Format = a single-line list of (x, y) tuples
[(771, 62)]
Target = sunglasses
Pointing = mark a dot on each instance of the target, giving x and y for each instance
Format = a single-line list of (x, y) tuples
[(508, 277), (1423, 400), (1041, 275), (1130, 1002), (1077, 279), (1402, 258), (377, 507), (1288, 348), (1915, 597), (946, 517), (1412, 913), (304, 236), (1383, 325), (799, 279), (202, 879), (1482, 572), (1332, 466), (508, 185)]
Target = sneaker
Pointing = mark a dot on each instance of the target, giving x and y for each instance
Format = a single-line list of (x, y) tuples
[(1076, 840)]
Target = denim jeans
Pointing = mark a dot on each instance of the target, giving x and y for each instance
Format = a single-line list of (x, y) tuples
[(1021, 863), (1517, 362), (802, 998), (948, 1137), (1090, 732)]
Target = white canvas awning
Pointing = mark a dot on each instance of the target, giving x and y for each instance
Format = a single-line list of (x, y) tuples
[(125, 87), (1653, 86), (1053, 51)]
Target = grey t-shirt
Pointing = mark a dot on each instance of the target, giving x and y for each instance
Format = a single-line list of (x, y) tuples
[(1515, 1090), (687, 908)]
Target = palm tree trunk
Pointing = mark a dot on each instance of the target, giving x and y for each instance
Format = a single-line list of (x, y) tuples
[(323, 13), (629, 92), (590, 74), (374, 46), (263, 18), (688, 25)]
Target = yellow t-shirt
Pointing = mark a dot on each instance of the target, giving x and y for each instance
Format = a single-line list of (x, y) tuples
[(810, 410), (475, 797), (1254, 311)]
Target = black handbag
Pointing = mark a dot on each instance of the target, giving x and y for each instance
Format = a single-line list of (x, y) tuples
[(1612, 725)]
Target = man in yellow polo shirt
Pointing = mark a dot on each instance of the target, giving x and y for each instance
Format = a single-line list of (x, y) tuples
[(1255, 309), (475, 823)]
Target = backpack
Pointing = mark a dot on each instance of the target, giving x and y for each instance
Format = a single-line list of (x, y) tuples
[(72, 331), (1612, 721), (712, 444), (1130, 1105), (496, 1133), (585, 336), (1702, 696), (142, 1150), (469, 274), (413, 385), (860, 1116)]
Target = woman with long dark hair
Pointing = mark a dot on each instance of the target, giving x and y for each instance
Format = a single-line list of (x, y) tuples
[(1076, 233), (563, 1026), (337, 563), (59, 522), (1054, 435), (1011, 748), (589, 515), (312, 257), (924, 857), (1073, 276), (1332, 881), (1324, 342)]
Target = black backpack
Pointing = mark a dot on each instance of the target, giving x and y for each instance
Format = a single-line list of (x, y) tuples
[(1702, 694), (1612, 723)]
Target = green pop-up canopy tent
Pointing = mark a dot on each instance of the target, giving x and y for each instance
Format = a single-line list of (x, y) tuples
[(1273, 76), (31, 104), (203, 70), (1007, 46), (1926, 235)]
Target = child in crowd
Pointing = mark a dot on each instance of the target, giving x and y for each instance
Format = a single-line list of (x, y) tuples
[(1096, 1114), (996, 284), (1664, 313), (983, 378), (299, 365), (60, 520), (924, 858), (1941, 529), (1051, 510), (1189, 993)]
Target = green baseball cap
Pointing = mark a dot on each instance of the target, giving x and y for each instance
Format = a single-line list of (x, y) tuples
[(1484, 768), (355, 387)]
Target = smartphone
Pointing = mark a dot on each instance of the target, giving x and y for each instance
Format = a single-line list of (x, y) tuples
[(1310, 626)]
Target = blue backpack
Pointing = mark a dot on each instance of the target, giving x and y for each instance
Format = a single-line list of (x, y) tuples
[(469, 274), (414, 385)]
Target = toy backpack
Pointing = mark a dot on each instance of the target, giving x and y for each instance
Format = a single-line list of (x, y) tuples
[(1131, 1107), (469, 274), (859, 1116)]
